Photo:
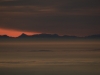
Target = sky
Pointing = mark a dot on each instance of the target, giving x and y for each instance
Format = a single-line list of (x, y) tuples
[(63, 17)]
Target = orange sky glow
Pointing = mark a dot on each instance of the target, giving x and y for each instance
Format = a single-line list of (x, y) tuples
[(14, 33)]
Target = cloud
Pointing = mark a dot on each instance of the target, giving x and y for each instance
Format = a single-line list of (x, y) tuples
[(73, 17), (16, 62)]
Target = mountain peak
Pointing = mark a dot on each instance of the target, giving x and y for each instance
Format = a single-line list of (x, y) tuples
[(23, 35)]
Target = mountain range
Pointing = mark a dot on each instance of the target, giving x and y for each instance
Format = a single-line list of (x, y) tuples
[(51, 36)]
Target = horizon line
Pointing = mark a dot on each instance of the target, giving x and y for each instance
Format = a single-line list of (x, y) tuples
[(44, 33)]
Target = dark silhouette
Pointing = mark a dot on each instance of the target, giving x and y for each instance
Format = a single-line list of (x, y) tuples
[(23, 36), (4, 36), (43, 35), (46, 35), (66, 36), (93, 36)]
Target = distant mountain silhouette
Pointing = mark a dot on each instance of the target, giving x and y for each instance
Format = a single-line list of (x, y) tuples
[(4, 36), (23, 36), (43, 35), (66, 36), (39, 36), (93, 36), (46, 35)]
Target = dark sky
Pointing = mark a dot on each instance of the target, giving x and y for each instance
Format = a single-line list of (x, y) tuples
[(64, 17)]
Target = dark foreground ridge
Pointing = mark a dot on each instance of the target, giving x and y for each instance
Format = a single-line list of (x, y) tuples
[(51, 36)]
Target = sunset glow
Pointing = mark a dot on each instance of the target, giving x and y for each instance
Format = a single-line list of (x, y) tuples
[(14, 33)]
